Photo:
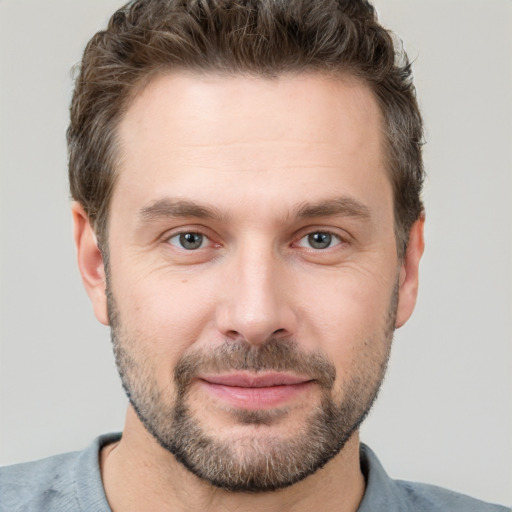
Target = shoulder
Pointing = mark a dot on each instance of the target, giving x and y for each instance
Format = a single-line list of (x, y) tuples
[(385, 493), (38, 485), (68, 482), (430, 498)]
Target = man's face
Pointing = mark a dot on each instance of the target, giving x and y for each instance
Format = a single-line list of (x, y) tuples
[(253, 278)]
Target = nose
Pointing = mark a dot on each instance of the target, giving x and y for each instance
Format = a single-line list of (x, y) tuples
[(256, 299)]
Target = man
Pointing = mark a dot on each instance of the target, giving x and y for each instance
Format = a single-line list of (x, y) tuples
[(248, 221)]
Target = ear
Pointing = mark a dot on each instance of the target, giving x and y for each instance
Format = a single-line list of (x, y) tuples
[(408, 281), (90, 262)]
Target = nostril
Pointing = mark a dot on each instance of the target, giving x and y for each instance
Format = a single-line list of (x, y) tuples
[(233, 335)]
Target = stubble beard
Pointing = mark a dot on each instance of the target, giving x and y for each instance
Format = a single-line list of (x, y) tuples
[(254, 463)]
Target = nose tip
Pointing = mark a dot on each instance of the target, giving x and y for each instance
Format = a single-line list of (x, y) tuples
[(256, 322), (257, 306)]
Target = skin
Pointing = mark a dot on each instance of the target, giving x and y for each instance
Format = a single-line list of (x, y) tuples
[(257, 152)]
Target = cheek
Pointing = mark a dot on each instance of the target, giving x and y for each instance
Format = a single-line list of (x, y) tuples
[(349, 312), (161, 316)]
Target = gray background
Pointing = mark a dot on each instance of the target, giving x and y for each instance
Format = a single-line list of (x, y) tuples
[(444, 415)]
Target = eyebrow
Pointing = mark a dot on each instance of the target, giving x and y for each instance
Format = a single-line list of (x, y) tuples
[(180, 208), (342, 206)]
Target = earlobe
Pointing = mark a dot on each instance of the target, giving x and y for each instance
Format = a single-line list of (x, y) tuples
[(90, 262), (409, 273)]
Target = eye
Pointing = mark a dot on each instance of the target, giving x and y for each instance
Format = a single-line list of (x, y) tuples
[(319, 240), (189, 241)]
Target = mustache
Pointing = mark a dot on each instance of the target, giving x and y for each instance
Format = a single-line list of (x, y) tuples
[(276, 354)]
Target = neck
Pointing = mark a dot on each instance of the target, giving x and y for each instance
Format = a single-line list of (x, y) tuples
[(138, 474)]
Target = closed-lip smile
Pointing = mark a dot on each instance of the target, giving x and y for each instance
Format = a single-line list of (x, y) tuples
[(255, 391)]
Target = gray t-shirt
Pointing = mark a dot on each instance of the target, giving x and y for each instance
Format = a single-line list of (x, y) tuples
[(72, 482)]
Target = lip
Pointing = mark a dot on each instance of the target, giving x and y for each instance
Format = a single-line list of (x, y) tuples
[(251, 380), (250, 391)]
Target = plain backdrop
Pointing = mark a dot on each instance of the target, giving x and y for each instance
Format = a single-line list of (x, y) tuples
[(444, 415)]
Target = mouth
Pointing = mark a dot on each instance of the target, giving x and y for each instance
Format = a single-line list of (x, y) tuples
[(254, 391)]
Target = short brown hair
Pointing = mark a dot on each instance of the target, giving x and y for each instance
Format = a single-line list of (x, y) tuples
[(257, 37)]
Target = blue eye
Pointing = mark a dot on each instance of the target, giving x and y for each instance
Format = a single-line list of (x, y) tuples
[(189, 241), (319, 240)]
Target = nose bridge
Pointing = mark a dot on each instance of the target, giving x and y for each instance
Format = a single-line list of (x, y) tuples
[(255, 305)]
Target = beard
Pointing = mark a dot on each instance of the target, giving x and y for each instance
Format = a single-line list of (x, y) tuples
[(253, 463)]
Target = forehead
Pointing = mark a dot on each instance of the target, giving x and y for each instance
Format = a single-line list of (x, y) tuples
[(204, 130), (214, 108)]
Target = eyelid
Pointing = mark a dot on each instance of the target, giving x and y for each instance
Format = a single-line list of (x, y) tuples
[(343, 236), (334, 242), (204, 240), (200, 230)]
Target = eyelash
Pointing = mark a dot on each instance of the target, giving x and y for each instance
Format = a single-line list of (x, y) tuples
[(181, 234), (332, 237), (204, 238)]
